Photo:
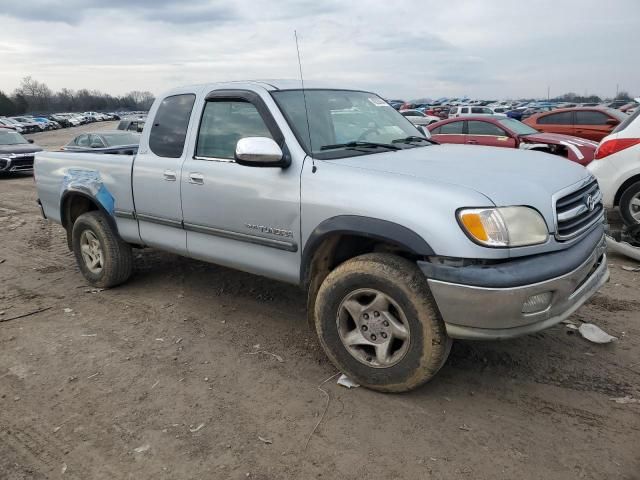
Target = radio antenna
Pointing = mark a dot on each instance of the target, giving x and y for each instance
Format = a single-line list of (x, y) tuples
[(304, 97)]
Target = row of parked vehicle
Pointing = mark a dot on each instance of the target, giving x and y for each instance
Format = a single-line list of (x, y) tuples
[(34, 123)]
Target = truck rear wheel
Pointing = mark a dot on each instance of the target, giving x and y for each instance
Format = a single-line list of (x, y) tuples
[(378, 323), (630, 205), (104, 259)]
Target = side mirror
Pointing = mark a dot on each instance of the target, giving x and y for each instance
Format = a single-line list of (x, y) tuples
[(259, 152), (30, 140), (612, 121), (139, 129)]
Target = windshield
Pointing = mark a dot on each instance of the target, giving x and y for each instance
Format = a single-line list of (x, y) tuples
[(340, 117), (517, 127), (9, 137), (116, 139)]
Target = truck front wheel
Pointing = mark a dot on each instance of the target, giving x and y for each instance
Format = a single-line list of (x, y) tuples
[(378, 323), (104, 258)]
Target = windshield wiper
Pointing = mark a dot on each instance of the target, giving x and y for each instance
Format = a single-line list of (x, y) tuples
[(413, 138), (361, 145)]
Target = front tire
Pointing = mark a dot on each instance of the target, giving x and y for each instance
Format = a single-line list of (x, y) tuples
[(378, 322), (104, 258), (630, 205)]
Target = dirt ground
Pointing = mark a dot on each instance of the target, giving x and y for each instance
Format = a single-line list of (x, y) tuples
[(193, 371)]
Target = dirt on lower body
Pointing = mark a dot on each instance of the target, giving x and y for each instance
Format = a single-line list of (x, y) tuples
[(194, 371)]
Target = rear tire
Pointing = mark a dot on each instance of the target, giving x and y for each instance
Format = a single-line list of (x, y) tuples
[(104, 258), (378, 323), (630, 205)]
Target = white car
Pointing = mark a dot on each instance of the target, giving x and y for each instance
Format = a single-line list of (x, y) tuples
[(617, 168), (469, 110), (418, 118)]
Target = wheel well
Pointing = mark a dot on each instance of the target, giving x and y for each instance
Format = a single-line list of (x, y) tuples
[(623, 187), (338, 248), (74, 205)]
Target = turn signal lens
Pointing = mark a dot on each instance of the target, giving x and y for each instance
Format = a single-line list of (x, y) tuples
[(505, 226)]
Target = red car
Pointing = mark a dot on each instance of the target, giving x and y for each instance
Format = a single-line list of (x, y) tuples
[(499, 131), (586, 122)]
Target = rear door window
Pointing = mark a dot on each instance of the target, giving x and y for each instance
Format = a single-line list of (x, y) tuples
[(170, 124), (562, 118)]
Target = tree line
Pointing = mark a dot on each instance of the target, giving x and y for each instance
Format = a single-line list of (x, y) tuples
[(33, 96), (574, 97)]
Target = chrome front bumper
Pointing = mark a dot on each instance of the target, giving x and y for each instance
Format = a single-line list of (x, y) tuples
[(478, 313)]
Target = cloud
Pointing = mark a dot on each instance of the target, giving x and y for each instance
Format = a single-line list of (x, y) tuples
[(401, 49)]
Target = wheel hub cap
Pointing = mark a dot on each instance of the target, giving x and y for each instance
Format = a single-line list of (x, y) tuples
[(91, 250), (373, 328)]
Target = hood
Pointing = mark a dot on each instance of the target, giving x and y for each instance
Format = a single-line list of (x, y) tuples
[(20, 148), (506, 176)]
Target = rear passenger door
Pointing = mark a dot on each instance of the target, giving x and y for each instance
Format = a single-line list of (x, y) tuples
[(489, 134), (452, 132), (592, 124), (156, 175)]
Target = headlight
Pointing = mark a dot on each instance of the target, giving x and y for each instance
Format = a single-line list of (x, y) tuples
[(504, 226)]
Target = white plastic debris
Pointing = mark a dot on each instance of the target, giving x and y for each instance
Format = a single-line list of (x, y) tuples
[(630, 269), (142, 448), (623, 248), (197, 429), (625, 400), (265, 440), (64, 468), (595, 334), (347, 382), (68, 310)]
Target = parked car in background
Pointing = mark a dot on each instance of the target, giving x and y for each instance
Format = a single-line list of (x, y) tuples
[(132, 124), (500, 110), (48, 124), (8, 123), (455, 112), (112, 141), (418, 118), (28, 125), (16, 152), (625, 108), (617, 168), (498, 131), (592, 123), (533, 110)]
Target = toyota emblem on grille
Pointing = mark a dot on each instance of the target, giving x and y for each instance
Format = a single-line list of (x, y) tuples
[(590, 202)]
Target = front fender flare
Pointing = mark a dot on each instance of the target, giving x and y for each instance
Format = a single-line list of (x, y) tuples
[(369, 227)]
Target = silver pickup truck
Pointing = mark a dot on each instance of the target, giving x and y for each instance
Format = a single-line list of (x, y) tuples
[(401, 244)]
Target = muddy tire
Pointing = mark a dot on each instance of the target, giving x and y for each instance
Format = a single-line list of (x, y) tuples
[(104, 258), (378, 322), (630, 205)]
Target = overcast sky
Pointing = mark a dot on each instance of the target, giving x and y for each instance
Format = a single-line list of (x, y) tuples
[(399, 48)]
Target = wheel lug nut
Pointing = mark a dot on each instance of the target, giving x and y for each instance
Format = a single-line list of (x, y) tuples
[(366, 316), (364, 328), (385, 323), (376, 314), (384, 335), (373, 337)]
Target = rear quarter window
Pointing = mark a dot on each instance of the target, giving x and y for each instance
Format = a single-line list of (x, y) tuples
[(453, 128), (170, 124)]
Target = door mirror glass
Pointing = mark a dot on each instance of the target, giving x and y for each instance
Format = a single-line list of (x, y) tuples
[(258, 152)]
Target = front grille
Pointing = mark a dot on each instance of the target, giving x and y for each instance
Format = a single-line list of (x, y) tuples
[(21, 163), (578, 211)]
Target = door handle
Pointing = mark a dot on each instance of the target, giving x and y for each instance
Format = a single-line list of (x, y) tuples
[(196, 178), (472, 142), (169, 175)]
